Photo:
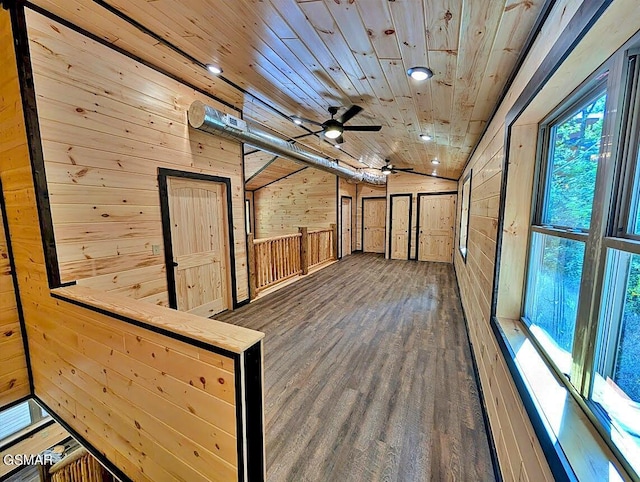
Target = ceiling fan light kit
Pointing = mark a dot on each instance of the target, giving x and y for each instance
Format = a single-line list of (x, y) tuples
[(420, 73), (425, 137)]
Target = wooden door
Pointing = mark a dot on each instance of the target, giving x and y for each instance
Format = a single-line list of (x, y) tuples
[(374, 215), (399, 239), (197, 211), (435, 227), (346, 226)]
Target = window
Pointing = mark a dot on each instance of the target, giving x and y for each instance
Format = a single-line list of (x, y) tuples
[(19, 417), (464, 215), (568, 169), (582, 297)]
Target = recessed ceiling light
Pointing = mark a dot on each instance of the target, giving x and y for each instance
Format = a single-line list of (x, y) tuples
[(337, 146), (435, 161), (214, 69), (420, 73), (297, 121), (425, 137)]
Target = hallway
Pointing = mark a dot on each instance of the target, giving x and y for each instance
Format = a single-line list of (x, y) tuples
[(368, 376)]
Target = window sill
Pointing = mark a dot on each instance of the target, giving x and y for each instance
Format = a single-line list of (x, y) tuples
[(579, 449)]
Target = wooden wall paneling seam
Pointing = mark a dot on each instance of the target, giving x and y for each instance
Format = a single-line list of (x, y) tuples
[(586, 16), (163, 174), (420, 195), (533, 35), (391, 197), (111, 467), (34, 141), (363, 199), (16, 288), (483, 401)]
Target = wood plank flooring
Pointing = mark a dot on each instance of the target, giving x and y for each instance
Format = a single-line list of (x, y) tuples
[(368, 376)]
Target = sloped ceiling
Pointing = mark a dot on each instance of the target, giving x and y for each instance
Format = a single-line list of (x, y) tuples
[(288, 57)]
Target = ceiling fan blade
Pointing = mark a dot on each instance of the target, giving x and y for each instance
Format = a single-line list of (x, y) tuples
[(306, 121), (362, 128), (351, 112), (406, 169)]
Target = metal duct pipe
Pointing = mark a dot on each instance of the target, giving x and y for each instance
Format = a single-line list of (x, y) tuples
[(208, 119)]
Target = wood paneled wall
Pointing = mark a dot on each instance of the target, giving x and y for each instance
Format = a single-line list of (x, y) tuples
[(156, 407), (107, 124), (407, 183), (14, 377), (365, 190), (306, 198), (519, 452)]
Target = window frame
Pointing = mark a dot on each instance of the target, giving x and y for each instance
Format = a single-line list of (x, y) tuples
[(464, 227), (599, 81), (611, 227)]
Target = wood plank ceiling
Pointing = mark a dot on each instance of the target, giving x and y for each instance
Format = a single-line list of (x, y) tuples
[(297, 58)]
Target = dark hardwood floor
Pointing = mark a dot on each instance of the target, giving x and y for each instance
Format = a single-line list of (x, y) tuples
[(368, 376)]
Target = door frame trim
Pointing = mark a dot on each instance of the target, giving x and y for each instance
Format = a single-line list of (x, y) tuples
[(350, 198), (410, 196), (163, 174), (420, 196), (368, 198)]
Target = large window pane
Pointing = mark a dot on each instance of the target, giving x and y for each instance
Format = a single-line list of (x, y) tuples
[(574, 149), (616, 384), (555, 270)]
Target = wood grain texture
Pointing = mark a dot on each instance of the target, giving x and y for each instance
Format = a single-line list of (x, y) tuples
[(407, 183), (519, 452), (304, 56), (157, 408), (14, 377), (304, 199), (108, 130), (435, 228), (376, 382)]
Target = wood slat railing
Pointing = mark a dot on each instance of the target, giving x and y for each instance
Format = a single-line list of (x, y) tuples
[(320, 247), (79, 466), (274, 260)]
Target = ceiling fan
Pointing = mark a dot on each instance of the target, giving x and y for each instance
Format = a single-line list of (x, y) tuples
[(389, 169), (333, 128)]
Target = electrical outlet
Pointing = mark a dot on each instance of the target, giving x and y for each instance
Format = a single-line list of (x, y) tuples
[(155, 249)]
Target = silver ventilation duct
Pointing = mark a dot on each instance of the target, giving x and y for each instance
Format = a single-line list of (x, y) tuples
[(208, 119)]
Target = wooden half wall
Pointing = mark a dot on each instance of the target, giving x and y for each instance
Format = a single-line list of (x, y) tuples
[(107, 124), (153, 393)]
